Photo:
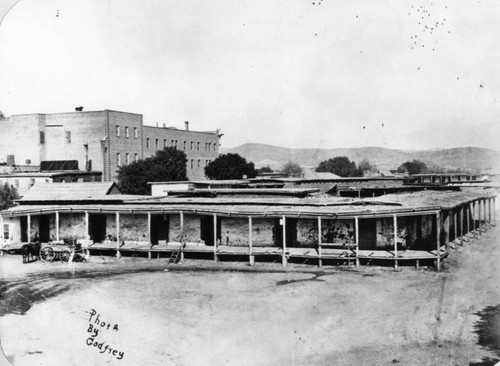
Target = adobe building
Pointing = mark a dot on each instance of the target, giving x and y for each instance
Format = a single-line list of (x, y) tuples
[(100, 141), (395, 228)]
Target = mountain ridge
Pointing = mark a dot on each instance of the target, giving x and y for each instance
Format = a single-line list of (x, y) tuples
[(467, 158)]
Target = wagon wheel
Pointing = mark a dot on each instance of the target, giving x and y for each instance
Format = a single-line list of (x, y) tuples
[(64, 255), (47, 254)]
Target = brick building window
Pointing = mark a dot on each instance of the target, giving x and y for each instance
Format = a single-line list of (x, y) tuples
[(157, 144), (147, 143), (42, 137), (165, 143), (68, 137), (192, 144), (185, 143), (126, 132), (117, 131), (199, 163), (192, 163), (127, 159), (136, 157), (136, 133), (175, 145), (118, 159), (198, 146)]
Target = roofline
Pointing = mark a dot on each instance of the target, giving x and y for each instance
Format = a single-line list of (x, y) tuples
[(181, 130), (73, 112)]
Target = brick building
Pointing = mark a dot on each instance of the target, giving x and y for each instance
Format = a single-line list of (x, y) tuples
[(100, 141)]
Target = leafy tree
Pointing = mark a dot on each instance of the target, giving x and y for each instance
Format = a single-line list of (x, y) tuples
[(340, 165), (292, 169), (264, 169), (168, 164), (366, 168), (230, 166), (413, 167), (7, 196)]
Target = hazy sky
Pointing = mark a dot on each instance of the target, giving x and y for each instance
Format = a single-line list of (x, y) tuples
[(296, 73)]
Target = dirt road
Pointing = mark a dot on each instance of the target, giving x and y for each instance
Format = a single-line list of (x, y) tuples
[(195, 315)]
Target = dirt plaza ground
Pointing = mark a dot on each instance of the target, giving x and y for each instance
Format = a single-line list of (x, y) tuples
[(202, 313)]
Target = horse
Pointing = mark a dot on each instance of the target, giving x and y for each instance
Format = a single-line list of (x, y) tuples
[(30, 250)]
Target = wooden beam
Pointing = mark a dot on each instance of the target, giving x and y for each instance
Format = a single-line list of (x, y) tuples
[(438, 241), (461, 216), (356, 238), (283, 257), (455, 222), (57, 225), (87, 225), (183, 237), (489, 213), (484, 215), (251, 257), (320, 234), (215, 238), (395, 220), (494, 210), (2, 239), (446, 228), (467, 213), (117, 234), (149, 235), (29, 228)]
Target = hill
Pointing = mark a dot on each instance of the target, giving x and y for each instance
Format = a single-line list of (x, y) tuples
[(469, 158)]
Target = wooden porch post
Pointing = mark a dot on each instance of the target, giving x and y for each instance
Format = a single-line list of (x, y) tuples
[(149, 235), (283, 257), (395, 219), (455, 228), (215, 238), (461, 217), (87, 226), (117, 234), (57, 225), (467, 213), (356, 233), (494, 209), (484, 215), (489, 213), (2, 241), (474, 218), (438, 241), (251, 257), (183, 237), (446, 228), (29, 228), (320, 234)]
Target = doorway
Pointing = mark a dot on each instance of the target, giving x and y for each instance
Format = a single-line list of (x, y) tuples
[(367, 234), (97, 228), (290, 232), (207, 229), (159, 228), (44, 228)]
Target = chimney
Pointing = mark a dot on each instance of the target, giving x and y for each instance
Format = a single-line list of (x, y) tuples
[(78, 109), (186, 125)]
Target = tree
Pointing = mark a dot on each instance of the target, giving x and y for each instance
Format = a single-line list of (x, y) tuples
[(168, 164), (264, 169), (292, 169), (7, 196), (366, 168), (339, 165), (413, 167), (230, 166)]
